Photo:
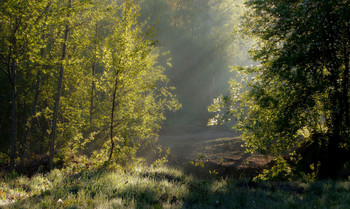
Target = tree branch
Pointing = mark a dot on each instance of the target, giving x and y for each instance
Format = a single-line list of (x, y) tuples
[(3, 70), (44, 12)]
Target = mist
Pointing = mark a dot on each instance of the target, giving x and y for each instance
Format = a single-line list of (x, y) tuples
[(204, 41)]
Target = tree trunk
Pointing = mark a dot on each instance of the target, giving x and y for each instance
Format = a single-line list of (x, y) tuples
[(59, 89), (33, 112), (27, 141), (14, 115), (12, 70), (3, 117), (92, 93), (112, 119), (333, 158), (345, 91)]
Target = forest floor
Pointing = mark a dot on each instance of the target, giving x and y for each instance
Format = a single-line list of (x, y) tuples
[(164, 187), (187, 186), (219, 150)]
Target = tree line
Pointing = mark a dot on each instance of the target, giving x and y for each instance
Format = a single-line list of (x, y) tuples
[(295, 104), (79, 74), (89, 74)]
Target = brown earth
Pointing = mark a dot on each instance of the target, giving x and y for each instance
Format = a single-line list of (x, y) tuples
[(221, 151)]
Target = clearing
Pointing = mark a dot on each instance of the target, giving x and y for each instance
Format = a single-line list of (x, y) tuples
[(221, 150)]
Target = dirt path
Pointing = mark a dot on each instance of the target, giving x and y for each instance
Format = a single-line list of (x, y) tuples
[(219, 147)]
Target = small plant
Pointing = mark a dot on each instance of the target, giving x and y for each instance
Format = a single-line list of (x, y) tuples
[(2, 194), (213, 172), (4, 159), (198, 162), (161, 161), (279, 172)]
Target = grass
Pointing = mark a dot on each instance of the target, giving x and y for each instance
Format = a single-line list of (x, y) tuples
[(164, 187)]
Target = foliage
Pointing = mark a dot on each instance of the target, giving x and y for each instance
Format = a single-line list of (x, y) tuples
[(281, 171), (198, 162), (300, 92), (162, 160), (106, 52), (130, 80)]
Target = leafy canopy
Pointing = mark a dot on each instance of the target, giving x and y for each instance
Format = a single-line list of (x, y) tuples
[(301, 88)]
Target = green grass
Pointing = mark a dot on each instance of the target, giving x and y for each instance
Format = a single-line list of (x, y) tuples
[(164, 188)]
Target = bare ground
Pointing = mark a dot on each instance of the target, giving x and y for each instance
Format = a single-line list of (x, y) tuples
[(221, 151)]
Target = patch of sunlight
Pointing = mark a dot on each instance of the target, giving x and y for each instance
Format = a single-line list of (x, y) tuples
[(225, 139)]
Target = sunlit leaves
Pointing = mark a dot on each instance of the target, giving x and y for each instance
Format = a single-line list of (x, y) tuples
[(131, 70), (302, 83), (105, 43)]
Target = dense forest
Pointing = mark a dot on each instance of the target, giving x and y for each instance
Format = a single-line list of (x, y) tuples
[(87, 86), (79, 73), (295, 104), (82, 72)]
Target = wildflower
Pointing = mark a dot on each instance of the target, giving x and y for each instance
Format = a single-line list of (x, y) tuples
[(60, 201)]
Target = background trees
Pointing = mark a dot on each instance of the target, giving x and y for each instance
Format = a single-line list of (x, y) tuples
[(88, 73), (203, 41), (21, 23), (300, 93)]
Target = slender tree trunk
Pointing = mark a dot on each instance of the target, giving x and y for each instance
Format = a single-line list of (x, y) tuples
[(59, 89), (14, 115), (32, 115), (345, 91), (340, 123), (112, 119), (3, 117), (12, 69), (333, 159), (93, 68), (92, 93), (27, 141)]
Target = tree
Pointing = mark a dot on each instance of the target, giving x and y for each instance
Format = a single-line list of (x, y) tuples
[(135, 87), (20, 23), (302, 85), (96, 75), (59, 88)]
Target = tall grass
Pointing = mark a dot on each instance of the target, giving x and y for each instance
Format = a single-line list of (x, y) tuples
[(164, 187)]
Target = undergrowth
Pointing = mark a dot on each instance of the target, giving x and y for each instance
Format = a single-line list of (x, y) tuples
[(164, 187)]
